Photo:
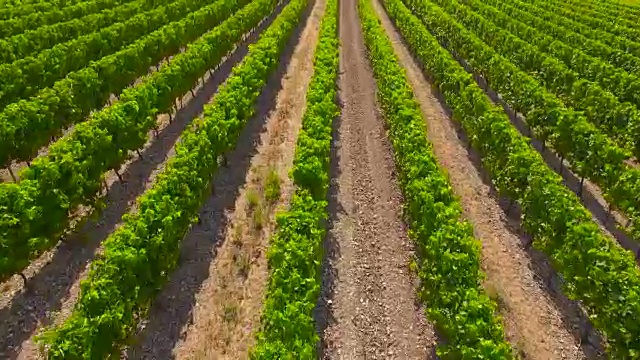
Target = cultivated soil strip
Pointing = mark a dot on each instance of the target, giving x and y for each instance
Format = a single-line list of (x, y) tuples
[(373, 304), (228, 303), (533, 322), (54, 278)]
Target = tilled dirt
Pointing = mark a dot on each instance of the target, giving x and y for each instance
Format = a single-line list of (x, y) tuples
[(533, 321), (228, 304), (372, 307)]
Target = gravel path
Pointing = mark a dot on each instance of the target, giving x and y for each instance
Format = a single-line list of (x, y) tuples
[(534, 323), (372, 305)]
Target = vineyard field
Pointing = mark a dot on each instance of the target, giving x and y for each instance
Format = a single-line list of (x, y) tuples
[(328, 179)]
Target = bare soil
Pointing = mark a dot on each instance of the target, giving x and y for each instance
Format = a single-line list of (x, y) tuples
[(53, 279), (229, 301), (371, 307), (534, 323)]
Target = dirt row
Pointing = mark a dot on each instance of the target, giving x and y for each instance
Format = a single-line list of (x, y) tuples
[(370, 296)]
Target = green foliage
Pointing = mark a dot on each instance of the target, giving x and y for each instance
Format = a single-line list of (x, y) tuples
[(608, 96), (47, 64), (295, 251), (590, 153), (28, 124), (597, 272), (17, 47), (272, 186), (35, 210), (616, 16), (81, 11), (140, 254), (619, 27), (629, 46), (574, 34), (457, 305), (10, 9), (609, 8)]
